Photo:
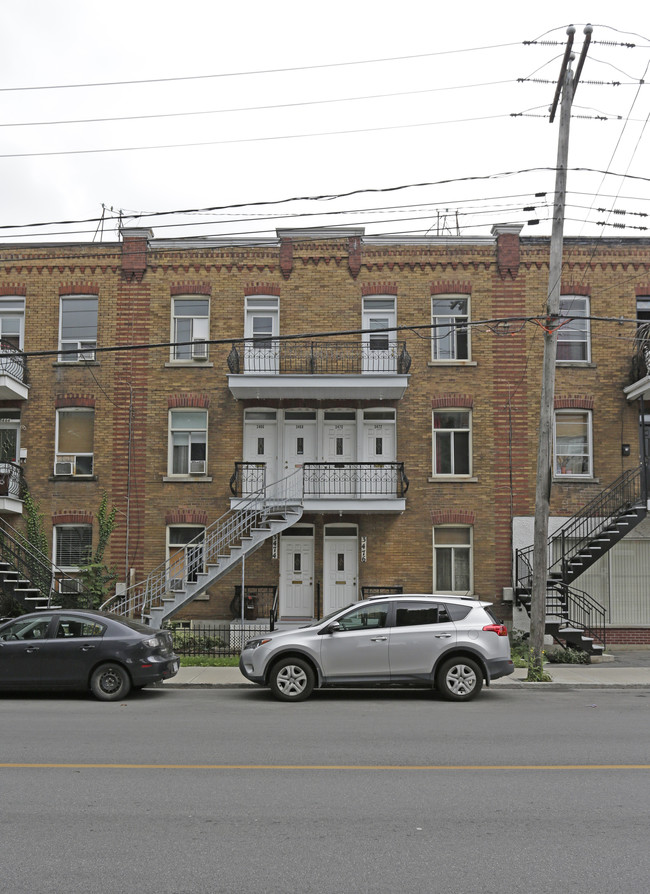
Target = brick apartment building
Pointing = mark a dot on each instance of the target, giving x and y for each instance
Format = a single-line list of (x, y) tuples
[(403, 428)]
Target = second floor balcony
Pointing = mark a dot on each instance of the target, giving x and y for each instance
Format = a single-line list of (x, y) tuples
[(13, 373), (334, 487), (377, 370), (11, 488)]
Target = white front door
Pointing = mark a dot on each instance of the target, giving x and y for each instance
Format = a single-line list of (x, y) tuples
[(340, 572), (260, 454), (379, 448), (340, 450), (299, 445), (297, 576)]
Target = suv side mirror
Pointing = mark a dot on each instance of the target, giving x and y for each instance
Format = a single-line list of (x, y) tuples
[(333, 627)]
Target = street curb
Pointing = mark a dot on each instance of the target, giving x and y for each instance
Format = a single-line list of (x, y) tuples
[(530, 687)]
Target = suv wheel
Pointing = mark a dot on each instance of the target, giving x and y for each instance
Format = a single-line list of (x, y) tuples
[(292, 680), (459, 679)]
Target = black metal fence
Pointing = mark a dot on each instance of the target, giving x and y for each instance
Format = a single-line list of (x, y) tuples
[(215, 641), (320, 358)]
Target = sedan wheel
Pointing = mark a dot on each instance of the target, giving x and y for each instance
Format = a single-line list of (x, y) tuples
[(110, 682), (292, 680), (459, 679)]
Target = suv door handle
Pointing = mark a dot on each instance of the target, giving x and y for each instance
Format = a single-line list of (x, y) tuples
[(443, 635), (378, 639)]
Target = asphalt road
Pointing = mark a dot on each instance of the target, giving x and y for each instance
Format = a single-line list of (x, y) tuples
[(230, 791)]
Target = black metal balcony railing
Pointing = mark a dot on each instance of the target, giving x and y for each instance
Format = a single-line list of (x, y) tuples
[(318, 358), (11, 480), (13, 362), (327, 480)]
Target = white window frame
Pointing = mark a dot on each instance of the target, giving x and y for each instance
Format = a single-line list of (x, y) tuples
[(12, 308), (176, 583), (446, 328), (379, 312), (74, 460), (199, 330), (574, 332), (55, 548), (263, 356), (195, 437), (84, 346), (558, 465), (451, 431), (454, 547)]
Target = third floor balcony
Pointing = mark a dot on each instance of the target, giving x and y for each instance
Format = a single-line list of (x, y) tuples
[(13, 373), (374, 370)]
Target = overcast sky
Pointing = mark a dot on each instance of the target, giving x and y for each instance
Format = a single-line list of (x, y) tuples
[(299, 99)]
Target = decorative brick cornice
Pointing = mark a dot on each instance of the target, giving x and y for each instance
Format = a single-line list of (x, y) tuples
[(186, 517), (79, 517), (452, 400), (575, 288), (573, 402), (190, 288), (74, 400), (200, 401), (451, 287), (378, 288), (452, 517), (17, 289), (262, 288), (79, 288)]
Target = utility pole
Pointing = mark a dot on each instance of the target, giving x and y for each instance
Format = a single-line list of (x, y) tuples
[(566, 86)]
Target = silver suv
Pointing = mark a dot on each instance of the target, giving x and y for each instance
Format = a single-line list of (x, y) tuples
[(449, 642)]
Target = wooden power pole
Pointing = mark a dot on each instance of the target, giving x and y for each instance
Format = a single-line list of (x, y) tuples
[(567, 84)]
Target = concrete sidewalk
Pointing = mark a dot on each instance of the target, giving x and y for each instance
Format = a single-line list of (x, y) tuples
[(621, 671)]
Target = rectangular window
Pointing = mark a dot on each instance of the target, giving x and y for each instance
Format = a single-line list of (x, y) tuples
[(190, 328), (452, 559), (184, 555), (72, 545), (451, 442), (573, 444), (188, 438), (12, 318), (78, 329), (261, 325), (75, 434), (450, 334), (573, 342)]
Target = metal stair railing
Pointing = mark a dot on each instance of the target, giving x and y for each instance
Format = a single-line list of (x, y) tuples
[(627, 491), (42, 574), (581, 611), (212, 544)]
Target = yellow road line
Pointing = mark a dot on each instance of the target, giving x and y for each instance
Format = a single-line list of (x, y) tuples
[(310, 767)]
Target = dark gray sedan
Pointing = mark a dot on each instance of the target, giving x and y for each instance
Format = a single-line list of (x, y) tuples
[(105, 653)]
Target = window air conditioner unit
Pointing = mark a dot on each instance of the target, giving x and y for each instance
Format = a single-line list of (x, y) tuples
[(197, 467), (63, 468), (69, 585), (87, 352), (176, 583), (199, 349)]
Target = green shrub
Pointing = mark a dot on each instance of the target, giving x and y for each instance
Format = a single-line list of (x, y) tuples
[(568, 656)]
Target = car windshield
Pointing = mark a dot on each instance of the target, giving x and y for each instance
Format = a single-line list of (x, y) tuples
[(331, 615)]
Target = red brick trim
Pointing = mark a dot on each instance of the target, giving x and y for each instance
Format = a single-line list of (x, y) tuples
[(628, 636), (190, 288), (354, 256), (262, 288), (201, 401), (452, 517), (573, 402), (186, 517), (286, 257), (466, 401), (451, 287), (642, 291), (74, 400), (378, 288), (19, 290), (80, 289), (80, 517), (575, 288)]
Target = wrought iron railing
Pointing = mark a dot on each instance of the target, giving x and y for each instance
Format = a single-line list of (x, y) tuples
[(259, 602), (330, 480), (629, 490), (215, 640), (13, 362), (581, 611), (209, 546), (11, 480), (55, 586), (318, 358)]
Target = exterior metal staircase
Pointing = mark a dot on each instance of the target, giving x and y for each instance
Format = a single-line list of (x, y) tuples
[(30, 582), (222, 546), (572, 616)]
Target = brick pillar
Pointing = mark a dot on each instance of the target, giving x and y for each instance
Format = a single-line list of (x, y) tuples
[(507, 248)]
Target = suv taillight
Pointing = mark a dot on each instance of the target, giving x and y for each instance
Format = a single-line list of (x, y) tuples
[(499, 629)]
